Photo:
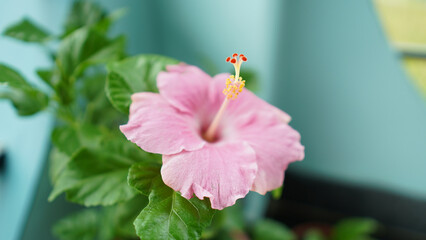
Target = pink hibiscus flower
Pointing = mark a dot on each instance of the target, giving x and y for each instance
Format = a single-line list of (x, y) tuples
[(213, 145)]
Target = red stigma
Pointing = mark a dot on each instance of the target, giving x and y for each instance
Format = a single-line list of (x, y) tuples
[(233, 60), (234, 55), (244, 58), (228, 58)]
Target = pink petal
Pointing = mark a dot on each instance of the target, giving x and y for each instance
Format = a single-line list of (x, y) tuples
[(184, 86), (245, 103), (223, 172), (264, 127), (276, 145), (157, 127)]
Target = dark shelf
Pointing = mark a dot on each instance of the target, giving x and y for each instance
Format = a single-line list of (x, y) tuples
[(318, 201)]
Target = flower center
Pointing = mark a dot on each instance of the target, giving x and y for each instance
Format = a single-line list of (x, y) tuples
[(234, 86)]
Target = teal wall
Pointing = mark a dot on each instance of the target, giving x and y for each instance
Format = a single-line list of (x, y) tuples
[(361, 119), (206, 32), (25, 139)]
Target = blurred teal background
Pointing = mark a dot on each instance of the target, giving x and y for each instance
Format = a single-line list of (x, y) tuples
[(327, 63), (26, 140), (360, 117)]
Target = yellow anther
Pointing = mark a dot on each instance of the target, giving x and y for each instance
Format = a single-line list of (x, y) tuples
[(235, 83)]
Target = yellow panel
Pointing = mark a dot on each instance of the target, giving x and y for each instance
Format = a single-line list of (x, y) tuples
[(417, 70), (404, 22)]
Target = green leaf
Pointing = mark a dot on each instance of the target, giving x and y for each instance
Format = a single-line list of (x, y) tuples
[(86, 46), (113, 51), (27, 31), (63, 86), (132, 75), (99, 176), (58, 162), (354, 229), (231, 218), (119, 218), (98, 109), (25, 98), (83, 13), (90, 14), (269, 229), (113, 222), (93, 86), (277, 193), (168, 214), (83, 48), (252, 80), (314, 234), (141, 176), (12, 78), (46, 75), (105, 24), (26, 102), (66, 139), (82, 226), (171, 216), (118, 92)]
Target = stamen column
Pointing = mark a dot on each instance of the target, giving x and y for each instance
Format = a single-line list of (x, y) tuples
[(234, 85)]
